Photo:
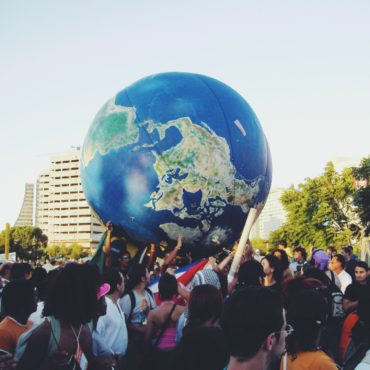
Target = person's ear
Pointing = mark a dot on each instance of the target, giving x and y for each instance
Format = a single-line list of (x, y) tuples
[(269, 342)]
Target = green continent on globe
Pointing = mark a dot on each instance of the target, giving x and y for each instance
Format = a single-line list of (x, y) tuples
[(113, 127), (200, 162)]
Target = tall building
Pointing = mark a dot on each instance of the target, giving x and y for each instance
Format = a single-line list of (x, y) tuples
[(25, 217), (62, 210), (42, 201), (272, 216)]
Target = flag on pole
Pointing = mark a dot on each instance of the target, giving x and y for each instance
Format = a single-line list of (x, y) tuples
[(99, 256)]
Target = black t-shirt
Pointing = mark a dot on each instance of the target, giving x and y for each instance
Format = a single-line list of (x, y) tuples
[(354, 291)]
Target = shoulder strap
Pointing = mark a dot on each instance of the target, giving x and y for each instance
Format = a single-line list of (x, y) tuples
[(332, 276), (133, 304), (164, 326), (151, 298)]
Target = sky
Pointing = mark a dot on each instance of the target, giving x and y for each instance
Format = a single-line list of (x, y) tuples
[(303, 66)]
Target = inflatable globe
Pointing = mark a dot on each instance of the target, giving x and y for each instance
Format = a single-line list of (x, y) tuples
[(176, 154)]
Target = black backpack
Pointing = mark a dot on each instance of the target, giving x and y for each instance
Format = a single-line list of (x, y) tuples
[(336, 299)]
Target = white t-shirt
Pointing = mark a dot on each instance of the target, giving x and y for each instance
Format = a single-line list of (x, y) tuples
[(345, 280), (112, 328), (143, 304), (36, 317)]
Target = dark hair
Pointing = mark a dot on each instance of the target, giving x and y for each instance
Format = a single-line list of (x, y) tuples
[(275, 263), (293, 287), (205, 303), (19, 270), (348, 249), (307, 315), (167, 287), (283, 243), (71, 296), (284, 260), (318, 274), (205, 348), (250, 274), (5, 267), (361, 330), (113, 277), (340, 258), (135, 274), (39, 280), (302, 251), (250, 315), (362, 264), (18, 296)]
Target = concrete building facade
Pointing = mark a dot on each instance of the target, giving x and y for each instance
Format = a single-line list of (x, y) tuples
[(62, 210), (272, 216), (25, 217)]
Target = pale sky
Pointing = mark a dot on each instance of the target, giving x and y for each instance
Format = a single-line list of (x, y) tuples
[(304, 67)]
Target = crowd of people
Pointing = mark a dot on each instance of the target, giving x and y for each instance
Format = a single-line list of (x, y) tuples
[(289, 309)]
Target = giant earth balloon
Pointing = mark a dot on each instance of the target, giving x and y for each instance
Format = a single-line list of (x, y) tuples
[(176, 153)]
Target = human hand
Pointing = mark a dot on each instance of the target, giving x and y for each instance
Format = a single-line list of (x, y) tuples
[(109, 226), (7, 362), (180, 240)]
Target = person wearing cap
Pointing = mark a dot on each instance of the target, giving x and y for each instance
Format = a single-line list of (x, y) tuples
[(111, 327)]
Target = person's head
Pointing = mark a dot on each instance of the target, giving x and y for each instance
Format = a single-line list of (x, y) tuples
[(115, 280), (19, 299), (39, 280), (331, 251), (337, 263), (299, 254), (208, 276), (138, 275), (361, 272), (347, 252), (319, 259), (72, 294), (272, 267), (254, 323), (307, 315), (124, 260), (5, 270), (21, 271), (250, 274), (205, 307), (167, 287), (282, 256), (282, 244)]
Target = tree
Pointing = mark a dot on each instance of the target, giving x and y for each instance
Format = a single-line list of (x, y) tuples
[(361, 198), (320, 211), (27, 241)]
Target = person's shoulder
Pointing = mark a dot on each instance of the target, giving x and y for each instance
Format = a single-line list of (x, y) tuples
[(322, 361)]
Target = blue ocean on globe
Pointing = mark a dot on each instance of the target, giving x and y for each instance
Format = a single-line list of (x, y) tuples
[(176, 154)]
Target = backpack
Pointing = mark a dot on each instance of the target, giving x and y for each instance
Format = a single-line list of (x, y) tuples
[(133, 301), (335, 299)]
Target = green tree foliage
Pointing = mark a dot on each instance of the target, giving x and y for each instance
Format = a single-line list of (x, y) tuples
[(361, 198), (73, 251), (320, 211), (27, 241), (261, 244)]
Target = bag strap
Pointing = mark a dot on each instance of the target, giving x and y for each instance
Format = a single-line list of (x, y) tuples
[(164, 326), (133, 304)]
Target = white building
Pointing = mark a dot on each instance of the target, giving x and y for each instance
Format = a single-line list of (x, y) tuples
[(62, 210), (340, 163), (272, 216), (25, 217)]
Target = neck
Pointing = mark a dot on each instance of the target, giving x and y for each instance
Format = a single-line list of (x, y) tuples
[(338, 270), (269, 280), (114, 296), (140, 288), (258, 362)]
